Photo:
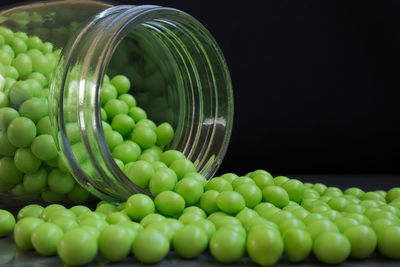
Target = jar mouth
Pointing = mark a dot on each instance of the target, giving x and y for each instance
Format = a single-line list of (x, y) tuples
[(193, 93)]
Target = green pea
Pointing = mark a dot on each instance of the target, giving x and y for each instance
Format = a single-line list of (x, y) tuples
[(114, 107), (363, 241), (21, 132), (77, 247), (79, 209), (23, 63), (150, 246), (115, 243), (251, 194), (165, 134), (128, 99), (295, 190), (298, 244), (163, 179), (6, 148), (108, 92), (44, 147), (170, 156), (26, 161), (331, 248), (190, 241), (6, 116), (144, 136), (138, 206), (123, 124), (7, 223), (208, 201), (139, 172), (227, 246), (169, 203), (35, 182), (137, 113), (122, 84), (261, 240), (276, 195), (32, 210), (218, 184), (78, 195), (321, 226), (242, 180), (60, 182), (280, 180), (151, 218), (230, 202), (190, 189), (45, 238)]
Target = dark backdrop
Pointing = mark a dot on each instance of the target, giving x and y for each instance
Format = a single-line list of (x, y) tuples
[(315, 82)]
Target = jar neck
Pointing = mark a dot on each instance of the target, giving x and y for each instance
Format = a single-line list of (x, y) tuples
[(193, 91)]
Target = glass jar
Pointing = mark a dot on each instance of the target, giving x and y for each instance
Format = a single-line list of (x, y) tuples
[(178, 75)]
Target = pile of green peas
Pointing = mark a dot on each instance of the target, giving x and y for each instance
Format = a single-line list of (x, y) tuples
[(230, 216)]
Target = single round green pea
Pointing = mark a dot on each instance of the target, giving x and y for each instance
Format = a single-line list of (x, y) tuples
[(227, 246), (208, 201), (114, 139), (280, 180), (122, 84), (297, 244), (139, 172), (125, 152), (60, 182), (281, 216), (45, 238), (114, 107), (200, 178), (264, 246), (43, 126), (331, 248), (363, 241), (245, 214), (392, 194), (163, 228), (190, 241), (21, 132), (23, 63), (34, 109), (230, 202), (144, 136), (26, 161), (115, 243), (128, 99), (169, 203), (389, 242), (263, 180), (138, 206), (7, 223), (78, 195), (44, 147), (77, 247), (354, 191), (60, 213), (35, 182), (108, 92), (381, 224), (23, 231), (218, 184), (137, 113), (123, 124), (170, 156), (105, 207), (48, 210), (32, 210), (163, 179), (276, 195), (98, 224), (251, 194), (312, 217), (150, 246), (190, 189), (295, 190), (165, 134)]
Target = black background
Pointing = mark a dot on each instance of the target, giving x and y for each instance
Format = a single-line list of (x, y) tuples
[(316, 83)]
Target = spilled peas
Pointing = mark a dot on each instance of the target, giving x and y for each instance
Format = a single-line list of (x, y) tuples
[(255, 214)]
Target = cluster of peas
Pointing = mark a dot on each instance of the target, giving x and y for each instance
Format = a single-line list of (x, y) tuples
[(230, 215)]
